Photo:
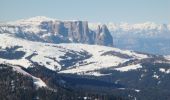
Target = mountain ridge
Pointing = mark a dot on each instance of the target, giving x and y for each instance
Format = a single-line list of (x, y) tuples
[(138, 37), (54, 31)]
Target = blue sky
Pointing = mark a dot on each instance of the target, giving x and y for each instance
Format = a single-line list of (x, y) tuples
[(131, 11)]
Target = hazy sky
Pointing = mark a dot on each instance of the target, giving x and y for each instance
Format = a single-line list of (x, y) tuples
[(131, 11)]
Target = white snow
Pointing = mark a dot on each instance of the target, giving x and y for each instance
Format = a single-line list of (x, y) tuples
[(167, 57), (23, 62), (137, 90), (124, 26), (48, 55), (155, 76), (92, 73), (37, 81), (131, 89), (142, 75), (164, 70), (168, 71), (148, 29), (42, 50), (128, 68), (121, 88), (31, 21), (99, 61), (30, 25), (159, 82)]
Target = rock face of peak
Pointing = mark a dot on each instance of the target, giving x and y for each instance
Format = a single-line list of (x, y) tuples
[(55, 31), (103, 36), (76, 31)]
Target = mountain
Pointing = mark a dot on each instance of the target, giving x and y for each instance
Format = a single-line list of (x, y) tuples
[(103, 36), (144, 37), (49, 59), (55, 31), (147, 29), (82, 70)]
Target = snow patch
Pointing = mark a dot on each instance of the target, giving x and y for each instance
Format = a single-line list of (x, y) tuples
[(128, 68), (35, 21), (92, 73), (137, 90), (167, 57), (37, 81), (164, 70), (155, 76)]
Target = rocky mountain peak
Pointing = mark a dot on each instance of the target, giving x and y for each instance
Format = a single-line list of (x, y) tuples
[(103, 36)]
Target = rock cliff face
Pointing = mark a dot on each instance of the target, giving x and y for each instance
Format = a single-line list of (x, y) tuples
[(55, 31), (103, 36), (76, 31)]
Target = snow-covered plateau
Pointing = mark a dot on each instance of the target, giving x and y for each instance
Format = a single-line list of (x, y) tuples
[(65, 58)]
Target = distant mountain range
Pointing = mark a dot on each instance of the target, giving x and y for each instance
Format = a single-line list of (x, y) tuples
[(55, 31), (145, 37), (147, 29)]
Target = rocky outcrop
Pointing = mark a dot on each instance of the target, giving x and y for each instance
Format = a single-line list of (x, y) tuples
[(103, 36), (74, 31), (79, 32)]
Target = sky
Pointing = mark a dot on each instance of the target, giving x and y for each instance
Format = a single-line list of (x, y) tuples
[(104, 11)]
